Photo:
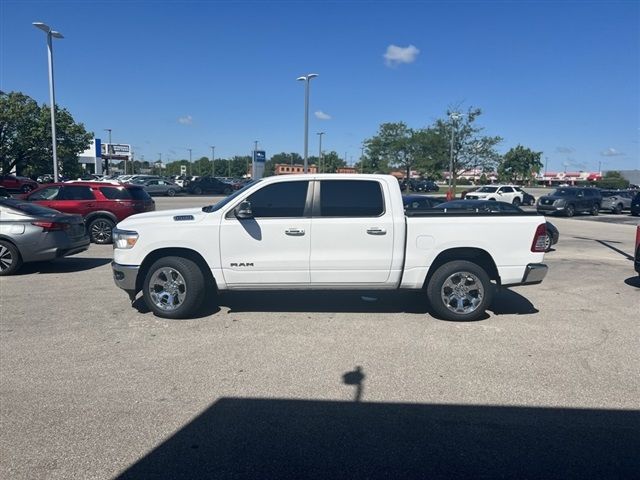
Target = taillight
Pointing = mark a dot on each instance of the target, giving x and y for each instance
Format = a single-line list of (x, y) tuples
[(51, 226), (539, 239)]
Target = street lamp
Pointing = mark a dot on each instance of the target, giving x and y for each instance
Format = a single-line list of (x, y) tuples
[(190, 167), (213, 164), (109, 150), (306, 79), (52, 91), (454, 116), (320, 152)]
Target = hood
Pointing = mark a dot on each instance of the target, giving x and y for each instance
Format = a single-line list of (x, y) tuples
[(163, 217)]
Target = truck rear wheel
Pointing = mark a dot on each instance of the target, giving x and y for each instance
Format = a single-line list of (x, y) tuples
[(174, 287), (460, 290)]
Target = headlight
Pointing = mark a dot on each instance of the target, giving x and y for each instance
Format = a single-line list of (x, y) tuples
[(124, 238)]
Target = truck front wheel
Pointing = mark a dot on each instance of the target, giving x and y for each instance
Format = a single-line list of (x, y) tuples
[(174, 287), (460, 290)]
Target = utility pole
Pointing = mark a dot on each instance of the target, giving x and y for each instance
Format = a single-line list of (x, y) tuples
[(190, 167), (213, 164), (306, 79), (109, 150), (454, 117), (362, 159), (320, 152)]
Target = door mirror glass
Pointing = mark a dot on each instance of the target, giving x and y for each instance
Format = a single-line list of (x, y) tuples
[(243, 211)]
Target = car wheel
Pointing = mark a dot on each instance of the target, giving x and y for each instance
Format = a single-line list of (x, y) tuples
[(27, 188), (617, 209), (595, 209), (100, 231), (570, 211), (460, 290), (227, 191), (171, 192), (10, 259), (174, 287), (516, 202), (197, 191), (548, 241)]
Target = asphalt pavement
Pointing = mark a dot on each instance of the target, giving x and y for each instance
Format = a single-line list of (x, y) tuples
[(325, 385)]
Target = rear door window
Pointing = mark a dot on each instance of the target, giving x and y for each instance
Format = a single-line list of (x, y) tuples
[(115, 193), (76, 193), (351, 198)]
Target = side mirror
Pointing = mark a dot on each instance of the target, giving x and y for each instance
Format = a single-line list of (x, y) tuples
[(243, 211)]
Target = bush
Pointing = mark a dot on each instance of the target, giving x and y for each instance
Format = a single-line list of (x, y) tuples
[(463, 181), (612, 183)]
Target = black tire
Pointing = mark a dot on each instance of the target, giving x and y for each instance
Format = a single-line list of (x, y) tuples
[(595, 209), (191, 286), (227, 191), (27, 188), (10, 259), (437, 290), (197, 191), (100, 230), (548, 242), (516, 202), (617, 209), (570, 210), (171, 192)]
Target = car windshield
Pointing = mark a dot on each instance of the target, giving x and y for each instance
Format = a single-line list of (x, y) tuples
[(226, 200), (488, 189), (563, 192)]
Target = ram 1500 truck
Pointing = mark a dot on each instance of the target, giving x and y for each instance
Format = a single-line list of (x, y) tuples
[(325, 232)]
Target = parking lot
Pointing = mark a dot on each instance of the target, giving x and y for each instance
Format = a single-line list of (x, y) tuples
[(93, 387)]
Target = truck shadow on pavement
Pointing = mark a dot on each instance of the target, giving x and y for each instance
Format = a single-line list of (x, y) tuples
[(284, 438), (62, 265)]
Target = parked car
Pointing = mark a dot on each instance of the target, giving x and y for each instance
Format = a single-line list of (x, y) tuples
[(502, 193), (527, 198), (423, 186), (325, 232), (570, 200), (615, 201), (102, 205), (635, 205), (209, 185), (419, 202), (158, 186), (15, 183), (45, 178), (552, 236), (32, 233), (4, 193)]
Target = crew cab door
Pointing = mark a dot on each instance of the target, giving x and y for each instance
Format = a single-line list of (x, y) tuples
[(351, 233), (272, 248)]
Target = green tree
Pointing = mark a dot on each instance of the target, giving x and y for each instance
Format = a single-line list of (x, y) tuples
[(520, 164), (292, 158), (331, 161), (25, 137), (613, 179)]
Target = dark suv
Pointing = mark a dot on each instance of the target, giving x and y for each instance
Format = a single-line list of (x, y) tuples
[(209, 185), (571, 200), (101, 204)]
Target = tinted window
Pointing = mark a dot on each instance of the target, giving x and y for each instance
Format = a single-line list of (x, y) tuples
[(507, 207), (48, 193), (139, 194), (115, 193), (488, 189), (350, 198), (77, 193), (506, 190), (285, 199)]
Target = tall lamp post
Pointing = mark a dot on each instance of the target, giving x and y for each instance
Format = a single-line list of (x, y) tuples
[(52, 92), (320, 152), (190, 166), (454, 116), (213, 160), (109, 150), (306, 79)]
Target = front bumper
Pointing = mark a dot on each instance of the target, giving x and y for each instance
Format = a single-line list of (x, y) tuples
[(550, 208), (125, 277), (534, 273)]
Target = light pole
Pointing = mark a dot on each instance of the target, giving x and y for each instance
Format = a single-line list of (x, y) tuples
[(454, 116), (320, 151), (190, 167), (362, 159), (306, 79), (109, 150), (52, 92), (213, 164)]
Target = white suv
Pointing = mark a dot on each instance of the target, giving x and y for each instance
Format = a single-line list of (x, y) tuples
[(502, 193)]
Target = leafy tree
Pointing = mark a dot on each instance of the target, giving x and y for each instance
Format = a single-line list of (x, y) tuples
[(288, 158), (520, 164), (331, 161), (471, 149), (613, 180), (25, 137)]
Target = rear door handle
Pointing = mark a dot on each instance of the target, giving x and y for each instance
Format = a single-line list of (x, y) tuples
[(376, 231), (294, 232)]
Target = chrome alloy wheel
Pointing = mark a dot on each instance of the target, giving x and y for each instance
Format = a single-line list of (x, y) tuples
[(101, 231), (6, 258), (462, 292), (167, 289)]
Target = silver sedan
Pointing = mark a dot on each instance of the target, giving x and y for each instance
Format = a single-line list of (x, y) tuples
[(33, 233)]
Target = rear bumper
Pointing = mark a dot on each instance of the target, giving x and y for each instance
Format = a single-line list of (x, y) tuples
[(125, 277), (534, 273), (55, 245)]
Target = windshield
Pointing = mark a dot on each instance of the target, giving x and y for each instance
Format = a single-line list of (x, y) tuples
[(488, 189), (563, 192), (226, 200)]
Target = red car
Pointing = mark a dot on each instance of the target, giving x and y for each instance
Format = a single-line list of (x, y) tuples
[(101, 204), (14, 183)]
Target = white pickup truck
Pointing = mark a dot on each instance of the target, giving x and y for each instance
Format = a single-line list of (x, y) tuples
[(325, 232)]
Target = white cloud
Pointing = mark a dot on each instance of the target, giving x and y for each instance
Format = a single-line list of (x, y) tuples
[(567, 150), (396, 55), (320, 115), (186, 120), (611, 152)]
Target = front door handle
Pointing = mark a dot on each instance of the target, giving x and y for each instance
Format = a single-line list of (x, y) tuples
[(376, 231), (294, 232)]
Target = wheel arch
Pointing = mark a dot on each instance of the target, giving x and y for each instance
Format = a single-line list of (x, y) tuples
[(100, 214), (174, 252), (480, 257)]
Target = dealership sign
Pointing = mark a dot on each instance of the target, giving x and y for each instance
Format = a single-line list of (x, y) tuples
[(116, 150)]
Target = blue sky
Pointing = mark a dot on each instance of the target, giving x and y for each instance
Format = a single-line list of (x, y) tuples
[(559, 77)]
